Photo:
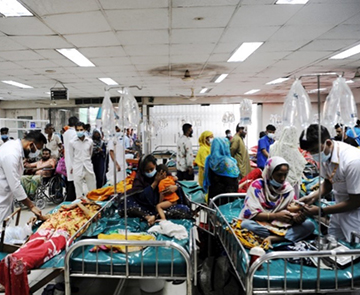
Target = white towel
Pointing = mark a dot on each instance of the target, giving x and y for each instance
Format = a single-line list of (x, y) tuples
[(170, 229)]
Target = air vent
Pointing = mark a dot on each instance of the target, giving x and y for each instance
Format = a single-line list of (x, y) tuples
[(59, 93)]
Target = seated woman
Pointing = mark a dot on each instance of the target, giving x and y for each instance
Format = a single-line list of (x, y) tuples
[(221, 170), (268, 200), (49, 240), (144, 195)]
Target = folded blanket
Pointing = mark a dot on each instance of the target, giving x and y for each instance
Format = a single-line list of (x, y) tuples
[(170, 229)]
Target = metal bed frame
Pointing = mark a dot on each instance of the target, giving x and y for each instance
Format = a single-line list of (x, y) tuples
[(233, 248), (190, 258)]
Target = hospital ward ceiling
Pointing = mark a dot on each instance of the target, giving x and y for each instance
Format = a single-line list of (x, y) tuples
[(173, 48)]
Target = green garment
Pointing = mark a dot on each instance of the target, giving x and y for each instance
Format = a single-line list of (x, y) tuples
[(239, 151)]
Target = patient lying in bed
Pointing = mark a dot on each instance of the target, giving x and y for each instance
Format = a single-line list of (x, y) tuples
[(49, 240)]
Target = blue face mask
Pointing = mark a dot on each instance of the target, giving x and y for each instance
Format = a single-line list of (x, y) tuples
[(80, 134), (275, 184), (4, 137), (320, 158), (150, 174)]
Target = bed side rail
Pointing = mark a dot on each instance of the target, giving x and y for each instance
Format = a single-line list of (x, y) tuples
[(169, 244), (286, 289)]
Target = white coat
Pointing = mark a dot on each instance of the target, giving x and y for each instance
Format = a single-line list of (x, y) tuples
[(11, 169), (68, 136)]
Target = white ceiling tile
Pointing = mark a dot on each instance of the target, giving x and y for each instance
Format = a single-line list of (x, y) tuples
[(75, 23), (20, 55), (138, 19), (328, 14), (328, 45), (272, 15), (354, 20), (106, 61), (32, 64), (108, 51), (204, 3), (7, 65), (49, 7), (151, 49), (214, 17), (93, 40), (22, 26), (190, 49), (201, 35), (41, 42), (143, 37), (287, 45), (218, 57), (133, 4), (188, 58), (342, 32), (249, 34), (151, 59), (302, 32), (7, 44)]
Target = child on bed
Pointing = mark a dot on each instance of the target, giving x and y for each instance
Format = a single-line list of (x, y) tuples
[(166, 200), (294, 208)]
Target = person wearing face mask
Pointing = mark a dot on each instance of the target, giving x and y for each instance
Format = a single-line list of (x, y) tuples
[(340, 167), (98, 158), (184, 154), (228, 134), (11, 169), (81, 167), (239, 151), (31, 182), (69, 135), (142, 199), (4, 135), (342, 136), (267, 200), (205, 140), (118, 143), (264, 146)]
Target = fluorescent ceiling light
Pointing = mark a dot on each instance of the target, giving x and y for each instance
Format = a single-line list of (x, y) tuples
[(252, 91), (17, 84), (351, 51), (220, 78), (75, 56), (277, 81), (205, 90), (316, 90), (244, 51), (349, 81), (13, 8), (291, 1), (108, 81)]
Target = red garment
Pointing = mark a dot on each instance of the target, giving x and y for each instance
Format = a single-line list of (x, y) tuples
[(249, 178)]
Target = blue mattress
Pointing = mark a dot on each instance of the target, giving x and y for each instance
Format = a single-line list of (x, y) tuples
[(276, 267)]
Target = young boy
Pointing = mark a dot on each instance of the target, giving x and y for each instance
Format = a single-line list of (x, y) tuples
[(167, 200)]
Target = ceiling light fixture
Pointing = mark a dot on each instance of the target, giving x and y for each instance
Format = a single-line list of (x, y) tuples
[(277, 81), (205, 90), (17, 84), (244, 51), (13, 8), (252, 91), (219, 78), (347, 53), (291, 1), (108, 81), (316, 90), (349, 82), (75, 56)]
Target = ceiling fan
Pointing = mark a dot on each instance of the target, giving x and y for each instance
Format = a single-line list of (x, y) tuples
[(187, 77), (192, 96)]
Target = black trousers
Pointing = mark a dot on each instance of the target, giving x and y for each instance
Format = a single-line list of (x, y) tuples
[(184, 175), (70, 191)]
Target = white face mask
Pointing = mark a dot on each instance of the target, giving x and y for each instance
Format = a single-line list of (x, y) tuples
[(211, 140), (271, 135), (321, 157), (150, 174)]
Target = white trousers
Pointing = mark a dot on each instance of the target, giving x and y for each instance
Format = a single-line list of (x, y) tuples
[(80, 178)]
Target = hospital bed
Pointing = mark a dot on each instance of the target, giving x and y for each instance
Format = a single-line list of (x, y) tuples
[(273, 273)]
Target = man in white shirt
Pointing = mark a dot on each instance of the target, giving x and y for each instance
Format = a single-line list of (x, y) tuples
[(184, 155), (11, 170), (53, 140), (82, 169), (119, 161), (68, 136), (340, 164)]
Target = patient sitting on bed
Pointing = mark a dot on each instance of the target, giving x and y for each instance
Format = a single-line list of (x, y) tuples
[(49, 240), (270, 200)]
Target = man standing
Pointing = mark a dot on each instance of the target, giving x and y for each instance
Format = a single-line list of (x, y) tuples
[(81, 149), (340, 165), (264, 146), (342, 136), (239, 151), (228, 134), (68, 136), (4, 135), (11, 170), (53, 140), (184, 155)]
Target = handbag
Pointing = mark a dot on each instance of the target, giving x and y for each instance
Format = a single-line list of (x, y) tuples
[(61, 167)]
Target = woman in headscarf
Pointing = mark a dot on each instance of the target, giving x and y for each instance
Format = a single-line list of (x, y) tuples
[(221, 170), (288, 148), (144, 195), (204, 150), (98, 158), (267, 201)]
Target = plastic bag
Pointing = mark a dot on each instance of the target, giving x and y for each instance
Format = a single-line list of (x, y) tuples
[(348, 110), (245, 112), (17, 234), (331, 112), (61, 167), (129, 114), (107, 117)]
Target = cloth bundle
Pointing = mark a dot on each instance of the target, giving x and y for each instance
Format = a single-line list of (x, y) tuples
[(170, 229)]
